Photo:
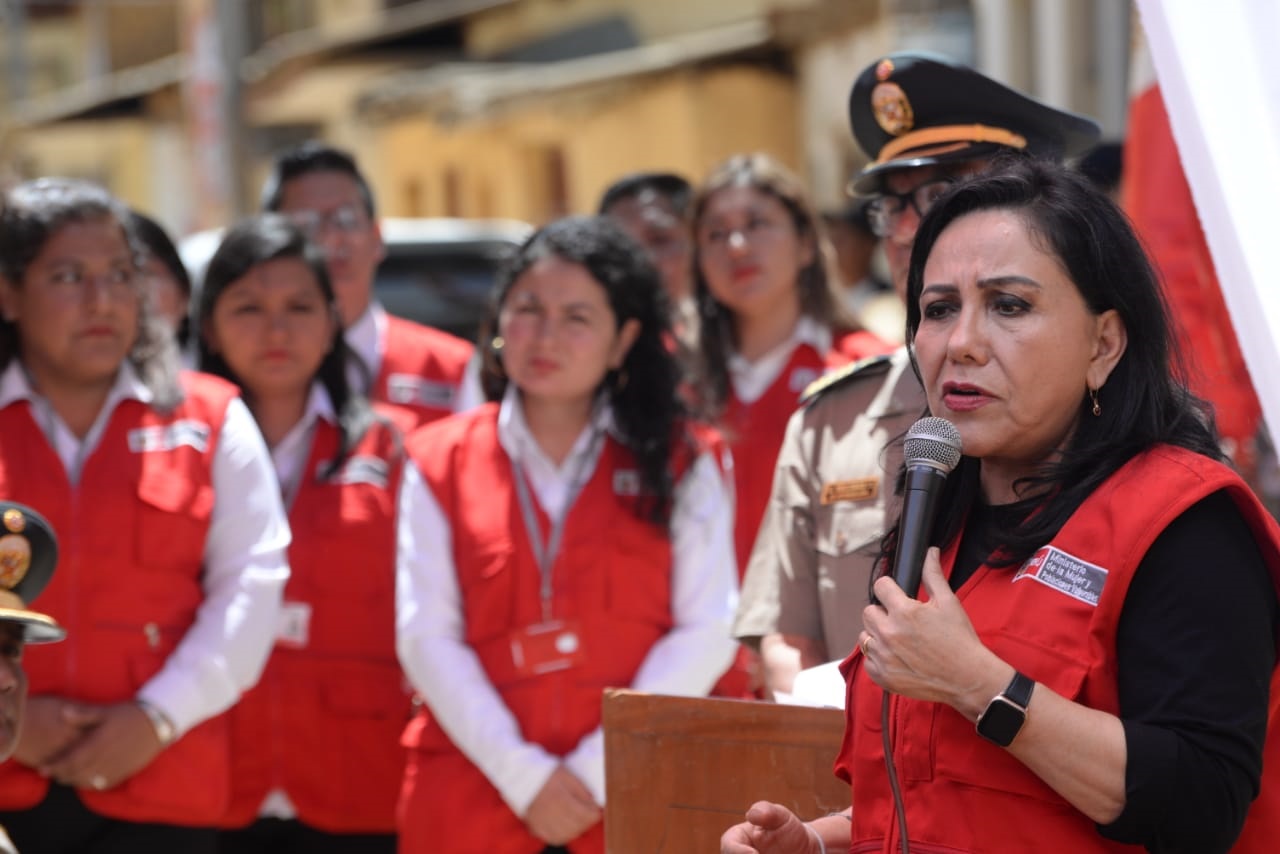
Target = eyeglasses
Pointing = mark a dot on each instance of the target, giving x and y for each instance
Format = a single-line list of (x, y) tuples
[(884, 210), (344, 220)]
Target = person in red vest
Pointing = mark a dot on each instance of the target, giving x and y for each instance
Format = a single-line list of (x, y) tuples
[(571, 535), (173, 539), (315, 746), (771, 322), (28, 556), (1091, 663), (420, 369)]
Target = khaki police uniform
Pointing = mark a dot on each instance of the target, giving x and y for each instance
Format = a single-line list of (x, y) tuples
[(832, 499)]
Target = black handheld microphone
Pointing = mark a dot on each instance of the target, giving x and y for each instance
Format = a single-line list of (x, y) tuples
[(931, 450)]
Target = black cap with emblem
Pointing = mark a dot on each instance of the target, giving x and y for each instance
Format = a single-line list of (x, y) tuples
[(28, 555), (914, 109)]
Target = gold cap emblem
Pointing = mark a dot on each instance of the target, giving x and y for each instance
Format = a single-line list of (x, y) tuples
[(15, 559), (891, 108), (14, 520)]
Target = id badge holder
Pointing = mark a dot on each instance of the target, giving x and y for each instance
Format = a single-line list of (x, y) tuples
[(546, 647)]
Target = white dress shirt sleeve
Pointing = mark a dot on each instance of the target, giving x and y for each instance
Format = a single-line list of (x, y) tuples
[(441, 665), (689, 659), (245, 570)]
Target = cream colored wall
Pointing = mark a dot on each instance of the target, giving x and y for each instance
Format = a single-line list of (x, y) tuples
[(113, 153), (502, 29), (684, 121)]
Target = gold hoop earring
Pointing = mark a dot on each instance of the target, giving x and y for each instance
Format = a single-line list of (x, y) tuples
[(1097, 407)]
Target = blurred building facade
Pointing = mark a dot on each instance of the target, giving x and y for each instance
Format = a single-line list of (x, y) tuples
[(493, 108)]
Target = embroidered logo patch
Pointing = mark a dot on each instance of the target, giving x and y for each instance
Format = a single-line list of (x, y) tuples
[(407, 388), (371, 470), (626, 482), (801, 378), (1065, 573), (166, 437)]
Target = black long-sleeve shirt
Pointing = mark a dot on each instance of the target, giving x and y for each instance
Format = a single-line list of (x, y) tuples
[(1196, 646)]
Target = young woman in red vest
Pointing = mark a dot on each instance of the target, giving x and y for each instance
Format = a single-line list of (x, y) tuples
[(172, 535), (571, 535), (1091, 664), (771, 323), (316, 756)]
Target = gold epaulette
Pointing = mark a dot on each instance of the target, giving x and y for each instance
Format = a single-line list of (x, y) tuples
[(828, 381)]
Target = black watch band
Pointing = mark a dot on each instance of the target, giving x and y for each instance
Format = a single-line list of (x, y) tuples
[(1006, 713)]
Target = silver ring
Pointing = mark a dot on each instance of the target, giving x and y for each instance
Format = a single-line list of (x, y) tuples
[(98, 782)]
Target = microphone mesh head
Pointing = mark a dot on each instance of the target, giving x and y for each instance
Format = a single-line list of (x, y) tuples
[(933, 442)]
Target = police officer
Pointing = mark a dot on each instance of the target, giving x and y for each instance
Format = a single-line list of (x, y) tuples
[(28, 554), (926, 122)]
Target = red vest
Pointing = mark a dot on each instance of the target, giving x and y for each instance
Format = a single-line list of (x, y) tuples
[(421, 369), (612, 575), (131, 538), (755, 430), (963, 793), (324, 722)]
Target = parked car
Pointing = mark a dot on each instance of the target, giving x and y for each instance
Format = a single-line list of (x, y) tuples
[(438, 271)]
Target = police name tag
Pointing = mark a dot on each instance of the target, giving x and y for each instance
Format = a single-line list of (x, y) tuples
[(166, 437), (294, 628), (1065, 573), (411, 389), (858, 489)]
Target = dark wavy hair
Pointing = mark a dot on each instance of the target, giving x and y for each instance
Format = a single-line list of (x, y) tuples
[(157, 243), (643, 392), (1145, 401), (33, 213), (248, 244), (818, 298)]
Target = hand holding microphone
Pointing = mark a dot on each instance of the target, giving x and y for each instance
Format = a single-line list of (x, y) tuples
[(921, 649)]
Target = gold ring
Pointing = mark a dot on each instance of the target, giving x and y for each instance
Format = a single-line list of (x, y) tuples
[(866, 646), (98, 782)]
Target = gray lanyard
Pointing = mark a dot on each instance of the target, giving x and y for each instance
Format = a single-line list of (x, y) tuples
[(545, 552)]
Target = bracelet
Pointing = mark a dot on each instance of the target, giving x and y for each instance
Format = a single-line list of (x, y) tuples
[(165, 730), (822, 846)]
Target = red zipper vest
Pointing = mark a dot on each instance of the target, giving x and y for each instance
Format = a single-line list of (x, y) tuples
[(131, 540), (421, 369), (755, 430), (612, 575), (963, 793), (324, 721)]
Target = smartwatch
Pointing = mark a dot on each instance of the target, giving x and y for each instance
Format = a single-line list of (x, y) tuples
[(1003, 718)]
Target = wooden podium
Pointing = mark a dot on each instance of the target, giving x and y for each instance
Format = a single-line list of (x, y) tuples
[(679, 771)]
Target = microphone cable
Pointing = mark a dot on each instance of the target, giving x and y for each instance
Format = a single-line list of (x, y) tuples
[(899, 808)]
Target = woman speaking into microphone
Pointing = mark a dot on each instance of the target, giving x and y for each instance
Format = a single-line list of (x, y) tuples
[(1089, 662)]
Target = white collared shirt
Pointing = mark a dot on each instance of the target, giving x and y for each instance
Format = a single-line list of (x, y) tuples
[(245, 566), (445, 670), (290, 454), (367, 337), (752, 379)]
